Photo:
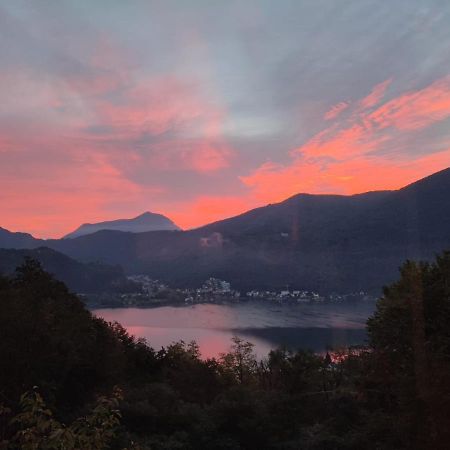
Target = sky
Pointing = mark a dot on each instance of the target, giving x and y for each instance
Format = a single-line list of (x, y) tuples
[(203, 109)]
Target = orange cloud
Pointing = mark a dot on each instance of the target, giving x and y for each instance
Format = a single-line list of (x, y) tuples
[(355, 154), (340, 143), (415, 110), (206, 209), (367, 130), (274, 183)]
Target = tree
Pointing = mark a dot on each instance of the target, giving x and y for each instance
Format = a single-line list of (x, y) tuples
[(410, 339), (241, 361), (37, 429), (48, 338)]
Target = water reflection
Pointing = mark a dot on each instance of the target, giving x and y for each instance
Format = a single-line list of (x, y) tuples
[(314, 327)]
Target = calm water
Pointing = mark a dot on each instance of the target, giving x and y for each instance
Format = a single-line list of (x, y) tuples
[(315, 327)]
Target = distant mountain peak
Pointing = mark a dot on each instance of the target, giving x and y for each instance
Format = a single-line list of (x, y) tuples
[(146, 221), (148, 215)]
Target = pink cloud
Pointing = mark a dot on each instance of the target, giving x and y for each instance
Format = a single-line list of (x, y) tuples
[(51, 183), (353, 154), (415, 110), (376, 95), (192, 127), (208, 208), (70, 149), (335, 110), (208, 157)]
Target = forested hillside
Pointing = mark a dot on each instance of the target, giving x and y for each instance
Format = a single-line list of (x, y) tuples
[(79, 277), (392, 394)]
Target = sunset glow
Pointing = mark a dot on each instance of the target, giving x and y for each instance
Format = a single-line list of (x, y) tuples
[(205, 112)]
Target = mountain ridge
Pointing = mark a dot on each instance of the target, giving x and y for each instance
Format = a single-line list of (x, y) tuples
[(79, 277), (328, 243)]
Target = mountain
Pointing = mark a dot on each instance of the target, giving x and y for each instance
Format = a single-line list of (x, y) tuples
[(10, 239), (84, 278), (321, 242), (145, 222)]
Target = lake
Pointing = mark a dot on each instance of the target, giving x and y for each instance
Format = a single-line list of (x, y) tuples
[(309, 326)]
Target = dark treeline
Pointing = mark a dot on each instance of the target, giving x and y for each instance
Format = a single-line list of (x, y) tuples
[(61, 365)]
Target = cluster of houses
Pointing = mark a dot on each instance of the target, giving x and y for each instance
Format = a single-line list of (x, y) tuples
[(286, 295), (212, 290), (298, 296), (152, 292), (215, 285)]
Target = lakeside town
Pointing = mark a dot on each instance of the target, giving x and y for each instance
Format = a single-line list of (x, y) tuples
[(153, 293)]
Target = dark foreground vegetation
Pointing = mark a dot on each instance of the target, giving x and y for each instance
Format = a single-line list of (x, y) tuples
[(60, 365)]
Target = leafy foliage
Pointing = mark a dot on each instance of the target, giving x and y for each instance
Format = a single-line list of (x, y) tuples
[(37, 429), (392, 394)]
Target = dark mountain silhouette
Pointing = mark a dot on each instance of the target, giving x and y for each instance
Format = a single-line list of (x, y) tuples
[(145, 222), (79, 277), (321, 242), (10, 239)]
